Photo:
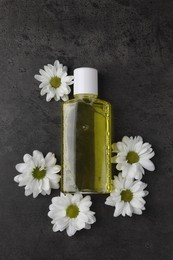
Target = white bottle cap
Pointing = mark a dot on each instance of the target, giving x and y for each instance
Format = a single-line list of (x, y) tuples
[(85, 81)]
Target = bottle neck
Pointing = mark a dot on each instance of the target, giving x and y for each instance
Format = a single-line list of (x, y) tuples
[(85, 96)]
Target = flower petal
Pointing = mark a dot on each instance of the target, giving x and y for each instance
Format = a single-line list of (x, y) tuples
[(147, 164), (50, 95), (50, 159), (46, 185), (39, 78), (71, 230), (45, 90), (21, 167), (54, 169), (37, 157), (65, 97)]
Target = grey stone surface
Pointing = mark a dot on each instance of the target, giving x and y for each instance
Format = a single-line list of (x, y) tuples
[(131, 44)]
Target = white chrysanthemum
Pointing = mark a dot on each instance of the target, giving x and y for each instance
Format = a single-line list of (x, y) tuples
[(38, 174), (54, 81), (127, 196), (133, 156), (71, 212)]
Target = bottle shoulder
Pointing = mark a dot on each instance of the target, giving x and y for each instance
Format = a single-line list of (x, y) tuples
[(94, 101), (101, 101)]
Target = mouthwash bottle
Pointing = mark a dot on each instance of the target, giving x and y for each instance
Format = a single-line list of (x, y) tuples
[(86, 137)]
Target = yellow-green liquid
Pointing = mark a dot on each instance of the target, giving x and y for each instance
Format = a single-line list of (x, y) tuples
[(86, 145)]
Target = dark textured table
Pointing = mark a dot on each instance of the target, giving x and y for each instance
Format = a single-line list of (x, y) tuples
[(131, 44)]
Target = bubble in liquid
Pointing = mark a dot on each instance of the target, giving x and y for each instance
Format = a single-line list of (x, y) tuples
[(85, 127)]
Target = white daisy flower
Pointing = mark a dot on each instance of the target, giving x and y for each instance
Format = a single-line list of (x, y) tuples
[(127, 196), (54, 81), (71, 212), (133, 156), (38, 174)]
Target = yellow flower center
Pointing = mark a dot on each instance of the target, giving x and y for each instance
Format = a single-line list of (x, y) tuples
[(126, 195), (72, 211), (132, 157), (55, 82), (38, 174)]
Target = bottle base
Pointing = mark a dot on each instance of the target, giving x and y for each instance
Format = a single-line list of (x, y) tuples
[(86, 192)]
